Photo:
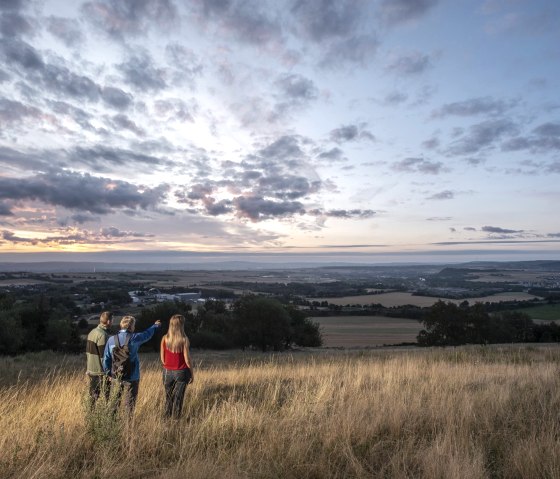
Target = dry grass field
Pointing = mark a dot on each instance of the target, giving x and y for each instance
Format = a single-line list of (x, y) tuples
[(399, 299), (453, 413), (365, 331)]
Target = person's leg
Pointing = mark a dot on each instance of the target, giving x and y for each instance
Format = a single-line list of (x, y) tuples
[(169, 385), (179, 391), (131, 393), (94, 389)]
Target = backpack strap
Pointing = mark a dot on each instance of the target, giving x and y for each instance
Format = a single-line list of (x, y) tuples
[(126, 341), (118, 343)]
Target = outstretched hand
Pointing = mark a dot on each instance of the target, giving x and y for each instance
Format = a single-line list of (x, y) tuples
[(157, 323)]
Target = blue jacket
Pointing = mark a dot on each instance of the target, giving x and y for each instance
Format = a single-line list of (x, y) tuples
[(134, 343)]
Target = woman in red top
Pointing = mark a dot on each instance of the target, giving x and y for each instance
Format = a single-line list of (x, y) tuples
[(177, 372)]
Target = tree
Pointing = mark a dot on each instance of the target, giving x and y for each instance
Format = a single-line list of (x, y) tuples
[(303, 331), (261, 322)]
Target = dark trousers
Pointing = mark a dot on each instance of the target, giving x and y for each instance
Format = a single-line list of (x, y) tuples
[(126, 389), (98, 387), (175, 383)]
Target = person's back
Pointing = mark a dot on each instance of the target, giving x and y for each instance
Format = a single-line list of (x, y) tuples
[(177, 366), (127, 337), (95, 346)]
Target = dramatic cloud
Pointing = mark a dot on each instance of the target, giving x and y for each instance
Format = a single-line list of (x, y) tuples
[(257, 208), (81, 192)]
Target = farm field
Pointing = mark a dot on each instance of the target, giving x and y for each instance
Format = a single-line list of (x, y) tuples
[(399, 299), (466, 412), (545, 312), (363, 331)]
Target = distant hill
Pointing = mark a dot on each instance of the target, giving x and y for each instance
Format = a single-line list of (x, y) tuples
[(99, 266)]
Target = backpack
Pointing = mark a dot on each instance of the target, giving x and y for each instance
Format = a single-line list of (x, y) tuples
[(122, 365)]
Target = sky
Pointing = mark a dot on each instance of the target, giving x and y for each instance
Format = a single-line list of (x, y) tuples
[(333, 128)]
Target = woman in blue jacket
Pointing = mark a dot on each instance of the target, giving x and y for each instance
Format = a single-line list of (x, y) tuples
[(126, 374)]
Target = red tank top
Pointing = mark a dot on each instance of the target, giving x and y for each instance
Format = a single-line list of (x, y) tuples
[(173, 361)]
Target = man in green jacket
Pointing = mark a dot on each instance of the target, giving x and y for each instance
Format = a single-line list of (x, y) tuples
[(94, 352)]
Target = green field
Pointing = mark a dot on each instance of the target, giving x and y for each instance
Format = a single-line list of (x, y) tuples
[(359, 331), (546, 312)]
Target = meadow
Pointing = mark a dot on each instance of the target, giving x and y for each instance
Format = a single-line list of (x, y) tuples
[(400, 299), (470, 412), (361, 331)]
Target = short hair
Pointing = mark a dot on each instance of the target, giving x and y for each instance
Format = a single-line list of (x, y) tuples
[(128, 322), (105, 318)]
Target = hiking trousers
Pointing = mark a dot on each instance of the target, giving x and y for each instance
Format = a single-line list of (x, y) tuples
[(175, 383)]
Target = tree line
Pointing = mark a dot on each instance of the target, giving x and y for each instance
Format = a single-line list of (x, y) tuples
[(448, 324), (252, 322)]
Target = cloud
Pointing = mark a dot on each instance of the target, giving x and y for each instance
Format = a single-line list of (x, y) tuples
[(469, 228), (431, 144), (497, 229), (443, 195), (544, 138), (123, 122), (141, 73), (11, 5), (112, 232), (483, 136), (81, 192), (105, 158), (246, 21), (257, 208), (439, 218), (350, 133), (322, 20), (5, 209), (334, 154), (394, 98), (13, 25), (66, 29), (56, 78), (419, 165), (120, 18), (116, 98), (410, 64), (15, 112), (394, 12), (344, 214), (358, 49), (474, 106)]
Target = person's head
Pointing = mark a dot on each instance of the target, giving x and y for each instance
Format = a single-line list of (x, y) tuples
[(176, 338), (106, 318), (128, 323)]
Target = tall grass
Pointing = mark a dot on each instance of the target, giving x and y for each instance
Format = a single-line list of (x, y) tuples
[(457, 413)]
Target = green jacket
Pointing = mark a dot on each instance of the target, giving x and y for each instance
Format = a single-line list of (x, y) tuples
[(94, 350)]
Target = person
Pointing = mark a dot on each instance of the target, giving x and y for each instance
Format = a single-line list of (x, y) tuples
[(128, 383), (95, 347), (177, 366)]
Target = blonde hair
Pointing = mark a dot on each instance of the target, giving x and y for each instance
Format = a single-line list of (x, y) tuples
[(105, 318), (128, 322), (176, 338)]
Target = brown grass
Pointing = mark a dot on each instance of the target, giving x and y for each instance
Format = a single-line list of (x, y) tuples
[(457, 413), (364, 331)]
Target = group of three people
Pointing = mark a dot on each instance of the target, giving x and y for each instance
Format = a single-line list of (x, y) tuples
[(101, 351)]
